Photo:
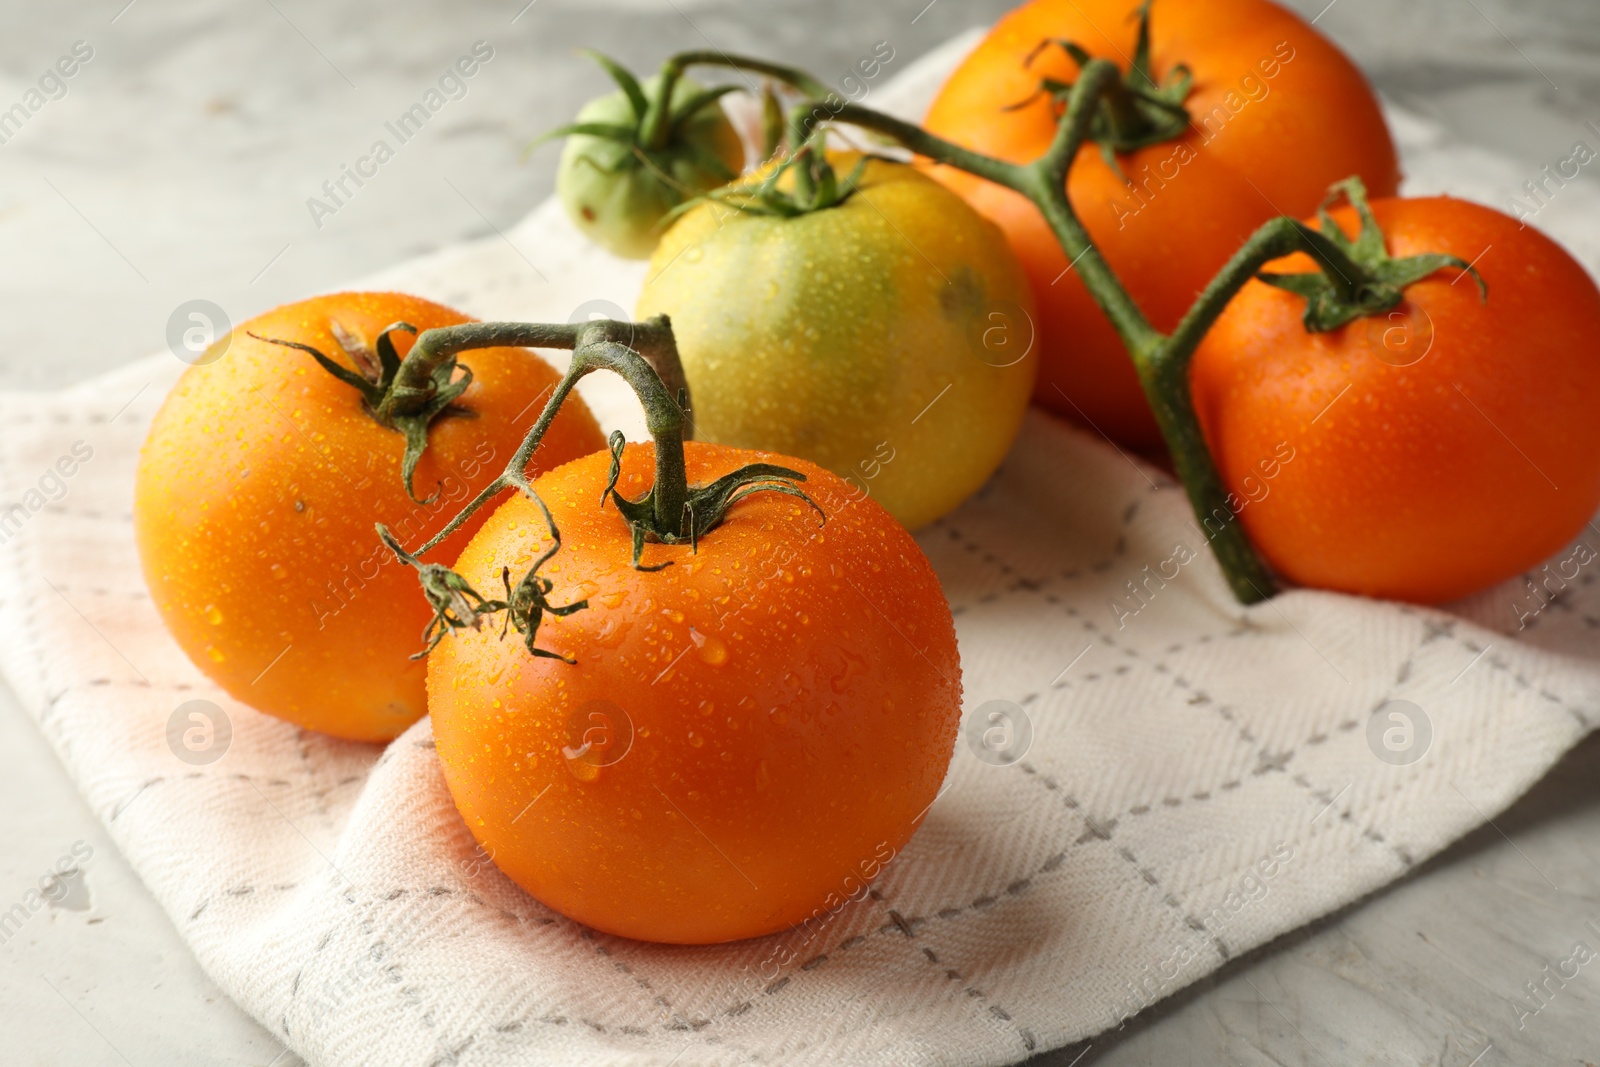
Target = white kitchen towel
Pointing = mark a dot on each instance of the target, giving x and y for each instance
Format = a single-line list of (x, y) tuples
[(1201, 778)]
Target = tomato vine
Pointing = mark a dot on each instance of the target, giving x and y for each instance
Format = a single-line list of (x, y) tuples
[(671, 512), (1354, 275)]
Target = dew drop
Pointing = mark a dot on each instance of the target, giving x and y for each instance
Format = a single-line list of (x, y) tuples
[(711, 649), (582, 769), (214, 617)]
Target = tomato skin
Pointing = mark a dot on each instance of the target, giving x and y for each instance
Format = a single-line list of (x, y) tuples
[(884, 339), (787, 733), (1428, 481), (256, 495), (1279, 114)]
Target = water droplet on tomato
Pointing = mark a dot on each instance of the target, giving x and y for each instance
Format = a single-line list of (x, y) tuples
[(611, 632), (711, 648), (582, 769)]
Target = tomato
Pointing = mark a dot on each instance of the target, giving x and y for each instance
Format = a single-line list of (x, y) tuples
[(617, 193), (746, 737), (1277, 115), (255, 500), (885, 338), (1425, 453)]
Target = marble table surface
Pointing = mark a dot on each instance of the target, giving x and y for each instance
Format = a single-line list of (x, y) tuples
[(177, 166)]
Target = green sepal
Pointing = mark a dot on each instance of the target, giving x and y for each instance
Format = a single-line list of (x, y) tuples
[(607, 130), (638, 514), (370, 392), (767, 200), (773, 125), (710, 503), (456, 605), (1358, 278), (388, 358), (414, 425), (705, 507), (625, 81)]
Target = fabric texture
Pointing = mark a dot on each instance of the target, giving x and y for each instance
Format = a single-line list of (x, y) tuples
[(1201, 778)]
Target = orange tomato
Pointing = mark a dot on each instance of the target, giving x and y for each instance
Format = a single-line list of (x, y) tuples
[(256, 495), (1425, 453), (1278, 114), (747, 736)]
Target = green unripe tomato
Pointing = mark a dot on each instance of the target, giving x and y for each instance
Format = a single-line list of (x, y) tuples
[(887, 338), (618, 199)]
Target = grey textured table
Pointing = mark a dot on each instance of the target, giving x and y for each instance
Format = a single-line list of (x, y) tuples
[(177, 165)]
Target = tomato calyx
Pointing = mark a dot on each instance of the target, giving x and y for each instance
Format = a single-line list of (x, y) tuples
[(456, 605), (816, 186), (398, 394), (1135, 111), (704, 506), (666, 117), (1358, 278)]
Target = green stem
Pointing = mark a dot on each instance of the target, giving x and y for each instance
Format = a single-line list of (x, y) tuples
[(1167, 388), (812, 154), (598, 345), (662, 417), (923, 143), (434, 349), (1274, 239)]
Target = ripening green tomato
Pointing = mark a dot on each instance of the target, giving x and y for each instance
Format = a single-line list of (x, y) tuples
[(616, 197), (887, 338)]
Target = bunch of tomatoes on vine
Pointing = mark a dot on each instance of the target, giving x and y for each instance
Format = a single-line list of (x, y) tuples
[(681, 687)]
